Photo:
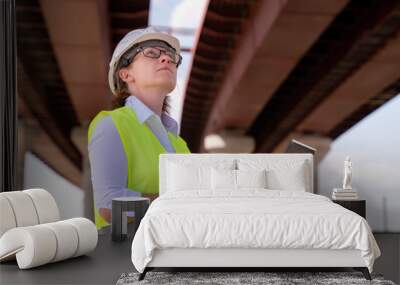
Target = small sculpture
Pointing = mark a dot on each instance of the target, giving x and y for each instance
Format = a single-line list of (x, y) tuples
[(347, 174)]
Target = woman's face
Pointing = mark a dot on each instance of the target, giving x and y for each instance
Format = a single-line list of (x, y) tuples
[(146, 72)]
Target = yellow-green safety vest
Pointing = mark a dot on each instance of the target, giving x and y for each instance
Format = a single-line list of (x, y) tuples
[(142, 150)]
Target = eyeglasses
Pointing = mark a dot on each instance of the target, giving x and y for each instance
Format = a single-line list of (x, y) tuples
[(155, 52)]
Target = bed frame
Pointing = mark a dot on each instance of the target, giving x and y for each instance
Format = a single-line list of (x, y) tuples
[(248, 259)]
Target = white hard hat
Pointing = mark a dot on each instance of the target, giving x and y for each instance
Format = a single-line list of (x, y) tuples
[(132, 38)]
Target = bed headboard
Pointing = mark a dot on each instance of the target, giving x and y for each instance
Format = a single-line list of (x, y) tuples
[(200, 158)]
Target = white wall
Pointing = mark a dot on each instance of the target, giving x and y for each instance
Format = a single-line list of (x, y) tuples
[(69, 198), (374, 147)]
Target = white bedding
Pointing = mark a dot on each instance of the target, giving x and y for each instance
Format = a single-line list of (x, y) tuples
[(251, 218)]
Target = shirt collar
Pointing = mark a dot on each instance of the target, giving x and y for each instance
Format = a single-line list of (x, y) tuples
[(144, 113)]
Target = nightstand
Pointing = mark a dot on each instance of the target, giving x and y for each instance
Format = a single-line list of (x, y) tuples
[(120, 207), (357, 206)]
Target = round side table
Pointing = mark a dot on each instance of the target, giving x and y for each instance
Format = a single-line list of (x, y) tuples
[(120, 207)]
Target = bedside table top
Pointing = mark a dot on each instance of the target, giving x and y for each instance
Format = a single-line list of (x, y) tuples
[(348, 200), (130, 199)]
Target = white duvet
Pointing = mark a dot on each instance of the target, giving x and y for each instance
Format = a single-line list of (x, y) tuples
[(250, 219)]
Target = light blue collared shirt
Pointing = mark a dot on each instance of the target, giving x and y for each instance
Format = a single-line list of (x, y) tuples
[(109, 169)]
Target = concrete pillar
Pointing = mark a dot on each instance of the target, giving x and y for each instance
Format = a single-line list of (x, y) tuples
[(27, 130), (229, 141), (79, 138), (25, 142), (322, 145)]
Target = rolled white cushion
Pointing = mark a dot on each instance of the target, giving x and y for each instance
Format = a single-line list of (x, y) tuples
[(67, 240), (26, 208), (7, 218), (46, 206), (23, 208), (87, 235), (40, 244), (33, 246)]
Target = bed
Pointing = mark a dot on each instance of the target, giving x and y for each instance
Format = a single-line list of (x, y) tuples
[(247, 211)]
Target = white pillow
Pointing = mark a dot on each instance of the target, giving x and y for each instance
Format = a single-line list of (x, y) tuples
[(283, 174), (288, 176), (181, 177), (227, 179), (188, 174), (251, 178), (223, 179)]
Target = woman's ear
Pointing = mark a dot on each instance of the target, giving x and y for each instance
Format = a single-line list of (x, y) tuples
[(124, 75)]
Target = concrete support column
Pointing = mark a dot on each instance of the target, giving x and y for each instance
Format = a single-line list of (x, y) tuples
[(24, 145), (229, 141), (322, 145), (79, 138)]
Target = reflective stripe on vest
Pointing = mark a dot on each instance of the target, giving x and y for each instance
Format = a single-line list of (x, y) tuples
[(142, 149)]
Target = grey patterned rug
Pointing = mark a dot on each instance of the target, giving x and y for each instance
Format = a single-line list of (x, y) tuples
[(225, 278)]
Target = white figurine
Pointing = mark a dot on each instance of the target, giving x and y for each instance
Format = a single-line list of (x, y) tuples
[(347, 174)]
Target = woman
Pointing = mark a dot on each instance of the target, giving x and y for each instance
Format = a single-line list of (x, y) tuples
[(125, 143)]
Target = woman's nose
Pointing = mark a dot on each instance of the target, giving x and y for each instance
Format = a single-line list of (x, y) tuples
[(165, 58)]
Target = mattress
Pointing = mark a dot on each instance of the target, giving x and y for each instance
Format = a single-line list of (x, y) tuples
[(251, 218)]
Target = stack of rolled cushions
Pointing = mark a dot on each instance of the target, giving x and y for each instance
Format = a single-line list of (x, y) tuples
[(344, 194), (31, 231)]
